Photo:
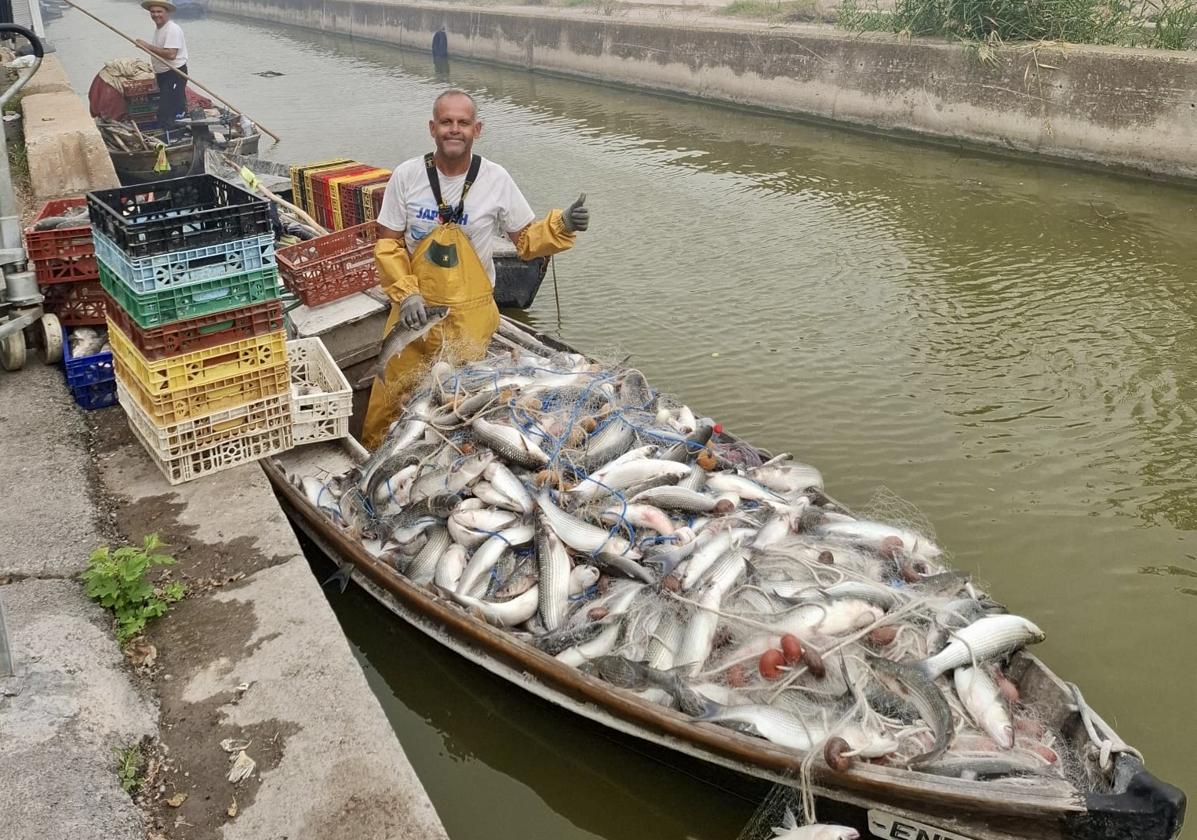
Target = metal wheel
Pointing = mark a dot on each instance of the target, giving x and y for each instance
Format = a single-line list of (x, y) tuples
[(51, 349), (12, 351)]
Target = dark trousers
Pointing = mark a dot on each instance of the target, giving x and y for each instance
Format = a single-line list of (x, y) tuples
[(172, 96)]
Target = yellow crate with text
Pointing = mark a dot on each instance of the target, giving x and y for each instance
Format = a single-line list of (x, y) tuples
[(199, 400), (321, 397), (257, 438), (334, 193), (199, 367)]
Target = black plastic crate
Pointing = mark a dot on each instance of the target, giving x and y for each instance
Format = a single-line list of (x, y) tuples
[(177, 214)]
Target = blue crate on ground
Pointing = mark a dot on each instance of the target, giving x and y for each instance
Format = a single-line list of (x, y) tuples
[(86, 370), (96, 395), (182, 268)]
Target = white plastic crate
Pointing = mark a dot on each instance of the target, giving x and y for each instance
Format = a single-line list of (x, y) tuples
[(205, 447), (323, 415)]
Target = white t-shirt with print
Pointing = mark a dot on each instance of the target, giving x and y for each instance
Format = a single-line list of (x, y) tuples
[(169, 36), (494, 207)]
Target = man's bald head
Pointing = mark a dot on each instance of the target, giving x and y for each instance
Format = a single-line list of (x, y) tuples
[(450, 94)]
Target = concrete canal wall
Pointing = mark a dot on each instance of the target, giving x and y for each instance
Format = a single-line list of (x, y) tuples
[(65, 151), (1134, 109)]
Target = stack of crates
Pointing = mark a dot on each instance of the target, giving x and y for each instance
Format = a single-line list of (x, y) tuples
[(141, 99), (339, 193), (64, 263), (345, 197), (195, 323)]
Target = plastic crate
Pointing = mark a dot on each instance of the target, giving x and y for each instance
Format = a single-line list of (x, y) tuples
[(139, 87), (324, 415), (198, 333), (181, 268), (176, 215), (64, 255), (340, 196), (86, 370), (96, 395), (200, 367), (324, 188), (210, 430), (76, 304), (351, 193), (372, 200), (299, 179), (204, 298), (331, 267), (256, 440), (196, 401)]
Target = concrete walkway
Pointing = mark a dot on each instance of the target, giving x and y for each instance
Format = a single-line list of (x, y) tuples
[(253, 655), (73, 700)]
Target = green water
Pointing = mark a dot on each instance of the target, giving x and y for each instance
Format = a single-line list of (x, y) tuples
[(1007, 347)]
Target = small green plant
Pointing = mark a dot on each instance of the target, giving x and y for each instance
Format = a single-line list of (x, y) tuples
[(128, 767), (118, 580)]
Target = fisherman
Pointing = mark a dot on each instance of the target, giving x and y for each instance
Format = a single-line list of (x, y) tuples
[(441, 216), (169, 50)]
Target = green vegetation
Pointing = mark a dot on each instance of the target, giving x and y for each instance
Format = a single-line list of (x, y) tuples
[(129, 763), (775, 10), (117, 579), (1164, 24)]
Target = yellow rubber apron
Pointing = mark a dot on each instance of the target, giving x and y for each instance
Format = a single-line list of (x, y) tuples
[(449, 274)]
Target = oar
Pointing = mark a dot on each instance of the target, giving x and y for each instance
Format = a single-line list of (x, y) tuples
[(190, 79)]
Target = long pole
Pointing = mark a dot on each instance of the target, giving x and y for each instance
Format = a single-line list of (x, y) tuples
[(206, 90)]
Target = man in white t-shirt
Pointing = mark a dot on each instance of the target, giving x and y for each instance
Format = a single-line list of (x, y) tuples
[(169, 50), (424, 260)]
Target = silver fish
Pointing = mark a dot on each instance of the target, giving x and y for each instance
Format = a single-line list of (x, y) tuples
[(400, 336), (680, 498), (913, 686), (422, 568), (554, 567), (510, 443), (579, 535), (984, 704), (987, 638)]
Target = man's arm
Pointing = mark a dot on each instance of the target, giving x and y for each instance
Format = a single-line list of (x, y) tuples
[(165, 53), (394, 265), (554, 233)]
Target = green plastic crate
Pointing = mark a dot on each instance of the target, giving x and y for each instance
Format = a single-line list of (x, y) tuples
[(154, 309)]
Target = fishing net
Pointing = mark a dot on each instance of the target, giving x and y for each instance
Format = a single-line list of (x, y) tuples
[(704, 575)]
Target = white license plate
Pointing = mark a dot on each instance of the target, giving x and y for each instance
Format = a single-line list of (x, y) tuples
[(890, 827)]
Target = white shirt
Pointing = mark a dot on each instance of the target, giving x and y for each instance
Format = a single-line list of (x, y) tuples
[(494, 207), (169, 36)]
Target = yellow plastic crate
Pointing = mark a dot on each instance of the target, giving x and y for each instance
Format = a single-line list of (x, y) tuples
[(301, 179), (256, 441), (334, 192), (197, 401), (199, 367)]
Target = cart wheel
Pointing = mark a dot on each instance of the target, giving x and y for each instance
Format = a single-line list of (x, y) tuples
[(12, 351), (51, 339)]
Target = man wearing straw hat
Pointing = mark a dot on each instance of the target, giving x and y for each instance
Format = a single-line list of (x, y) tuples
[(169, 50)]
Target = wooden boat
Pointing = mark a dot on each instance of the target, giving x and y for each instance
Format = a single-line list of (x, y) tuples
[(879, 801), (186, 158)]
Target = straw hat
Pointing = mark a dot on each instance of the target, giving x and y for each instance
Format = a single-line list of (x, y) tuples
[(166, 4)]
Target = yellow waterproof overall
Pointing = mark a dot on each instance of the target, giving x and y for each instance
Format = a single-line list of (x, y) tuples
[(446, 271)]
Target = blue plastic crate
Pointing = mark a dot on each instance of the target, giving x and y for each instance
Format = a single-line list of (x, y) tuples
[(95, 395), (86, 370), (182, 268)]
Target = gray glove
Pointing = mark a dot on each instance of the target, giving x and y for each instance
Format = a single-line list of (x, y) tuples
[(576, 217), (411, 312)]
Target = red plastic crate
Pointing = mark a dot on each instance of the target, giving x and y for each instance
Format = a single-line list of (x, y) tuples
[(321, 196), (139, 87), (63, 255), (331, 267), (351, 198), (198, 333), (77, 304)]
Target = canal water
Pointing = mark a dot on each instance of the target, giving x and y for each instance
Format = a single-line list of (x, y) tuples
[(1000, 349)]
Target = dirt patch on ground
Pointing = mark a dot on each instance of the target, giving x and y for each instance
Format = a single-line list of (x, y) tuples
[(187, 794)]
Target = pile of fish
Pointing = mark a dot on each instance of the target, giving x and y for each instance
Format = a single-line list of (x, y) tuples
[(611, 528), (87, 341)]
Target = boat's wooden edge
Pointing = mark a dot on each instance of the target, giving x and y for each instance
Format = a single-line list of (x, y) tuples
[(872, 781)]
